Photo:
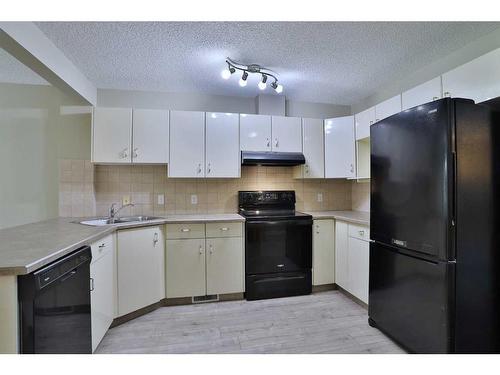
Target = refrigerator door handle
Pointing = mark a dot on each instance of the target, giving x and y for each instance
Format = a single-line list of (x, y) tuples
[(454, 192)]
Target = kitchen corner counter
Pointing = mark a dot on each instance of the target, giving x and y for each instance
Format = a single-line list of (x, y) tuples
[(26, 248), (355, 217)]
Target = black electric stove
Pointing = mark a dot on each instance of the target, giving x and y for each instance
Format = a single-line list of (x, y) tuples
[(278, 245)]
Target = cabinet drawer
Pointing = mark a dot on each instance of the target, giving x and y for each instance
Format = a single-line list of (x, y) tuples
[(359, 231), (102, 247), (180, 231), (224, 230)]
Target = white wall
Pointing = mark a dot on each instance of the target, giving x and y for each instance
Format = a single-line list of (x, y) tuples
[(465, 54), (205, 102), (26, 42)]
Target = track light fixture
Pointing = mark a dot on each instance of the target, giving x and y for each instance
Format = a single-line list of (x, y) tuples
[(232, 66)]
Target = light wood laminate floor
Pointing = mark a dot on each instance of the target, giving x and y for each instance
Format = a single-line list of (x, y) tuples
[(327, 322)]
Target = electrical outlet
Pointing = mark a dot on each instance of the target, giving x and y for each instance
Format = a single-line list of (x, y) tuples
[(161, 199), (194, 199), (319, 197), (125, 200)]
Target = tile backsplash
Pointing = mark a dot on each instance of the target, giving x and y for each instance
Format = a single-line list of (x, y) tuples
[(92, 191), (361, 196), (76, 188)]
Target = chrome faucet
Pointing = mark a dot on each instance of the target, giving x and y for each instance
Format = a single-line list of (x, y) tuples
[(113, 212)]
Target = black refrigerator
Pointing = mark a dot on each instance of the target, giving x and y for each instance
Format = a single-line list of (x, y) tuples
[(434, 227)]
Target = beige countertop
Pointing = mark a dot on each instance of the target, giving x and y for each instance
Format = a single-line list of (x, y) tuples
[(26, 248), (355, 217)]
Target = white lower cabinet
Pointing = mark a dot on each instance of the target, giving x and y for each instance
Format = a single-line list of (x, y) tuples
[(103, 285), (141, 268), (224, 265), (199, 264), (341, 254), (359, 268), (185, 271), (352, 259), (323, 257)]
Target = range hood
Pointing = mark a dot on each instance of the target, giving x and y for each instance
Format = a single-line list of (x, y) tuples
[(272, 158)]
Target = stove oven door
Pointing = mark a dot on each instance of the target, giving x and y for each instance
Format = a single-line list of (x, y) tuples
[(278, 245)]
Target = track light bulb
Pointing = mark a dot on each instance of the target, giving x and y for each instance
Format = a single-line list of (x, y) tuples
[(279, 89), (243, 80), (262, 84), (225, 74)]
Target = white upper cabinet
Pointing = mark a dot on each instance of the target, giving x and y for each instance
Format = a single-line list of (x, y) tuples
[(112, 135), (363, 122), (286, 134), (339, 147), (313, 148), (388, 108), (150, 136), (255, 132), (222, 156), (421, 94), (187, 144), (479, 79)]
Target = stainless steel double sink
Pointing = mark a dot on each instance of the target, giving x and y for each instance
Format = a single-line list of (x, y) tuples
[(119, 220)]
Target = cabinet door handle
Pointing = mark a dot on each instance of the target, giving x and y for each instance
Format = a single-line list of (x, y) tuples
[(201, 250), (199, 168), (361, 232), (91, 284), (211, 249), (447, 94), (371, 122), (124, 153), (155, 239), (435, 97), (185, 230), (377, 120), (352, 168), (268, 142), (224, 229), (209, 168), (276, 142), (134, 153)]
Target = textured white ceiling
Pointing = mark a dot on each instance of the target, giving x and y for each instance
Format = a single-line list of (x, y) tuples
[(13, 71), (329, 62)]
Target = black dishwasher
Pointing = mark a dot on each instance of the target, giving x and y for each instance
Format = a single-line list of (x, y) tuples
[(54, 306)]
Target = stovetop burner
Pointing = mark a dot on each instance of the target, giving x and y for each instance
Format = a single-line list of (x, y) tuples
[(269, 204)]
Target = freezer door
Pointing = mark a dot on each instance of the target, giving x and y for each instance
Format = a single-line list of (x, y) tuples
[(412, 179), (409, 299)]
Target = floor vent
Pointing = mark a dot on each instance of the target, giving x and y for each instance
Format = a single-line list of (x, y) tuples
[(203, 299)]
